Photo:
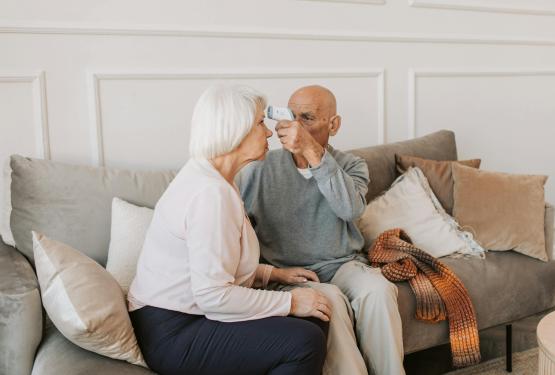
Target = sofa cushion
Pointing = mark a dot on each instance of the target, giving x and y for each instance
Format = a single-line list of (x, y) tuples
[(411, 205), (56, 355), (20, 312), (73, 203), (84, 301), (381, 159), (129, 226), (503, 287), (438, 173), (504, 211)]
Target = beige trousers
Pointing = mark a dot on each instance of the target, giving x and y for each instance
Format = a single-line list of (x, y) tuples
[(343, 356), (377, 320)]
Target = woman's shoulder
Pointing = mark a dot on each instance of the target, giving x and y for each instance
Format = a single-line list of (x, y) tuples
[(198, 181)]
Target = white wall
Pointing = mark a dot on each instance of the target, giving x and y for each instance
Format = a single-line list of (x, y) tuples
[(114, 83)]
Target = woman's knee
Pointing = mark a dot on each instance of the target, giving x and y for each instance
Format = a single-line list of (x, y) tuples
[(307, 337)]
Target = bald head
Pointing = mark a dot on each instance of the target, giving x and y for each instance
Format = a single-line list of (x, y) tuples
[(317, 97), (316, 109)]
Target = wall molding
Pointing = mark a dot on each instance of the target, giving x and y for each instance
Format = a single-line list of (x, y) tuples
[(414, 74), (265, 33), (40, 110), (476, 5), (95, 111), (371, 2)]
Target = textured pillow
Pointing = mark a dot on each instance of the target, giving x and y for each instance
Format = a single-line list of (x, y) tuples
[(84, 301), (504, 211), (438, 173), (129, 226), (73, 204), (6, 205), (411, 205)]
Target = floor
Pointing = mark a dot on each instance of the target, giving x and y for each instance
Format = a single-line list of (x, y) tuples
[(437, 360)]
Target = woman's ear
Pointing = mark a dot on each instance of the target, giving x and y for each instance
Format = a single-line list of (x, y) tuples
[(335, 124)]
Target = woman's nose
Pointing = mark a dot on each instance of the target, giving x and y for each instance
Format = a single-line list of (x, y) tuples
[(269, 133)]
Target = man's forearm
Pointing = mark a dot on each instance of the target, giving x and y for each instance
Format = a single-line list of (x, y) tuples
[(344, 192)]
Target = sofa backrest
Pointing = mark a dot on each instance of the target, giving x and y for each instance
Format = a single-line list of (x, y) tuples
[(440, 145), (72, 204)]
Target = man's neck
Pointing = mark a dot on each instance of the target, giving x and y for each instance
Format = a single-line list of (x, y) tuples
[(300, 161)]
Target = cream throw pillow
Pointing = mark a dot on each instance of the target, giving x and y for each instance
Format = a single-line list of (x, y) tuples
[(411, 205), (129, 226), (84, 301), (504, 211)]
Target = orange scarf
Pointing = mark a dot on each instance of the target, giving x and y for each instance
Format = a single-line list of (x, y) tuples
[(439, 292)]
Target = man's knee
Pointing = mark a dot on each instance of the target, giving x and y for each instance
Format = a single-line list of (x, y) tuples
[(333, 294), (328, 290), (379, 289), (362, 281)]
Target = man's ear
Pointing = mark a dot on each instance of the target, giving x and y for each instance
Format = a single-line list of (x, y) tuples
[(335, 124)]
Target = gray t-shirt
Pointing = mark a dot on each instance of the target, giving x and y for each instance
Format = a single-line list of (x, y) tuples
[(306, 222)]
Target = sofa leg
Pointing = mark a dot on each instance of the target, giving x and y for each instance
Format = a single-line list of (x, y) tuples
[(509, 347)]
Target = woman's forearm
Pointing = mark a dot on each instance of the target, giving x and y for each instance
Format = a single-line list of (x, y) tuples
[(263, 275)]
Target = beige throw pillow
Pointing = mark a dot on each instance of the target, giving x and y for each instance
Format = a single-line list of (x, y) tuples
[(504, 211), (84, 301), (129, 226), (411, 205), (438, 173)]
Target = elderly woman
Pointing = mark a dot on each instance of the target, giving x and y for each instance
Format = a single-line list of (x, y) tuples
[(193, 303)]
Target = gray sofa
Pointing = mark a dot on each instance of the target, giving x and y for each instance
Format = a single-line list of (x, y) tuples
[(73, 204)]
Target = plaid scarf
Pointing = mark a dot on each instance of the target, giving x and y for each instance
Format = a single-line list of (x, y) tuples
[(439, 292)]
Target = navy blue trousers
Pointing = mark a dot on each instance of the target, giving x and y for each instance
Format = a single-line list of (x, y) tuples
[(175, 343)]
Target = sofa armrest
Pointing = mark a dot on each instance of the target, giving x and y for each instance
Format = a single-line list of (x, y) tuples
[(549, 228), (20, 312)]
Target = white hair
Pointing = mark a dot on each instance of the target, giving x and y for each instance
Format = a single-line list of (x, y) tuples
[(223, 116)]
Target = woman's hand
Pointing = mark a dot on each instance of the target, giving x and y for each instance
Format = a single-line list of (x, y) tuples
[(307, 302), (295, 275)]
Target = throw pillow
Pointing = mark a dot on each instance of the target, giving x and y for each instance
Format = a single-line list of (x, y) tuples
[(6, 205), (411, 205), (438, 173), (84, 301), (504, 211), (129, 226)]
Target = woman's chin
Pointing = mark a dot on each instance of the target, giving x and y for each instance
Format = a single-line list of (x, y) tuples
[(263, 156)]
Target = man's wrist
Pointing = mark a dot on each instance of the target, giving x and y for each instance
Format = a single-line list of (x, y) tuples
[(314, 154)]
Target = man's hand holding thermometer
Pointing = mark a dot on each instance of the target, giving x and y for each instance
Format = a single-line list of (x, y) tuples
[(294, 137)]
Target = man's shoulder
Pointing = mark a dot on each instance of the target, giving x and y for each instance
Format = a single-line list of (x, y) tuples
[(344, 158)]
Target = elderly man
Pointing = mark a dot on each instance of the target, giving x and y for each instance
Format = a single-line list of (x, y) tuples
[(303, 201)]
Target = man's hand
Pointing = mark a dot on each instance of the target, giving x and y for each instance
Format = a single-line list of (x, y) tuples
[(295, 275), (296, 139)]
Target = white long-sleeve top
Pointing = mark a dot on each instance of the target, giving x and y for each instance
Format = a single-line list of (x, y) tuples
[(200, 254)]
